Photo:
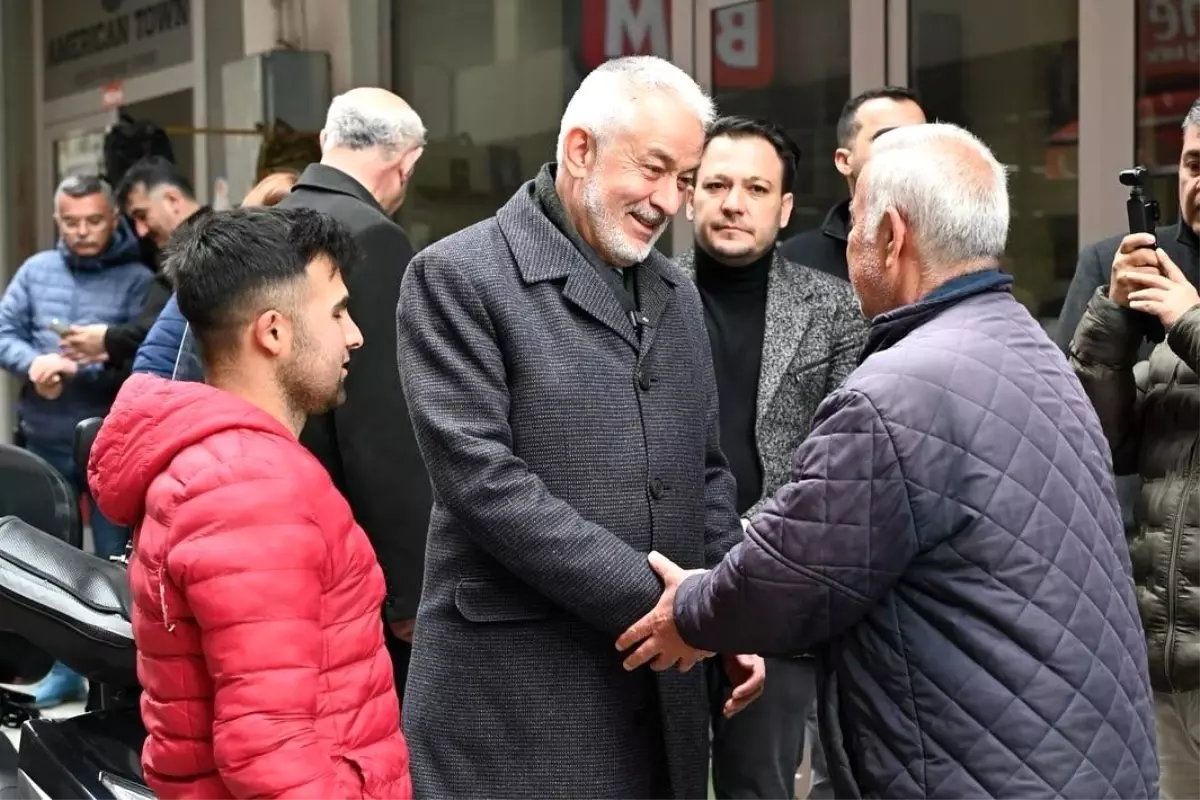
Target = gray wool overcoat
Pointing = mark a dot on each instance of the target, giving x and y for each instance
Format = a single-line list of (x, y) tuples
[(562, 447)]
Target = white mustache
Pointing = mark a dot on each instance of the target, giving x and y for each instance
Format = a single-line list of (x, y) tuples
[(649, 217)]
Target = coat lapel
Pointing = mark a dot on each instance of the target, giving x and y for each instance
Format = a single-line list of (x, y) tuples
[(655, 286), (543, 253), (788, 318)]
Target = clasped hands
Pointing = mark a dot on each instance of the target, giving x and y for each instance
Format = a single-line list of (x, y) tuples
[(47, 371), (658, 642)]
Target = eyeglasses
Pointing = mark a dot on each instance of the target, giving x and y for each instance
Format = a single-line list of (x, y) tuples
[(93, 221)]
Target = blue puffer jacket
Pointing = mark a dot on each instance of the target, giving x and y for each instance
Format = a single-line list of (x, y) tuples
[(169, 349), (951, 544), (58, 285)]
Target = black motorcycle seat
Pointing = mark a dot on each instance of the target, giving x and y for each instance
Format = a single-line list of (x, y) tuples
[(69, 603), (98, 584)]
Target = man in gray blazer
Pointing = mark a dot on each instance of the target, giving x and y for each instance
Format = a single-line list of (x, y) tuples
[(561, 388), (783, 336)]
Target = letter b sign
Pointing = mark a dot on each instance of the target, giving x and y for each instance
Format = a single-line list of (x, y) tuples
[(743, 45), (743, 37)]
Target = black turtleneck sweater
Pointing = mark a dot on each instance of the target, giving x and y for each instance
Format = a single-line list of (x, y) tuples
[(735, 311)]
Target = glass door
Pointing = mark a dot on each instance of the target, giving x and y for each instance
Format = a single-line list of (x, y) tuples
[(74, 147), (784, 60)]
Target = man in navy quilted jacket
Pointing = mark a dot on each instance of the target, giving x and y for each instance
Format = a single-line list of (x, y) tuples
[(93, 276), (950, 542)]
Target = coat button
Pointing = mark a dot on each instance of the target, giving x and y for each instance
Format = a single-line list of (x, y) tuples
[(643, 379), (657, 489)]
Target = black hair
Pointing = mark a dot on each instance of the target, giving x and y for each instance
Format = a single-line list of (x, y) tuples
[(770, 132), (150, 173), (848, 125), (230, 265)]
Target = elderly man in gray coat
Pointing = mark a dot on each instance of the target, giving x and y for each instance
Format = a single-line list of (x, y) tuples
[(561, 388)]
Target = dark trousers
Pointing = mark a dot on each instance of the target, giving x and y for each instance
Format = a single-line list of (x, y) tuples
[(755, 754)]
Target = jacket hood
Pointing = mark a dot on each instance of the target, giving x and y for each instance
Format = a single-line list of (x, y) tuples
[(124, 248), (151, 421)]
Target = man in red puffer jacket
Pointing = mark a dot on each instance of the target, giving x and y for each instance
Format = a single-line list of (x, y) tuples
[(256, 595)]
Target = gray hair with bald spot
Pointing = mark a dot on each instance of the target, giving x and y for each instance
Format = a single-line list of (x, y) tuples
[(357, 125), (947, 186)]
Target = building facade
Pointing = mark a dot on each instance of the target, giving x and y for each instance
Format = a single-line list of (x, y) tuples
[(1067, 92)]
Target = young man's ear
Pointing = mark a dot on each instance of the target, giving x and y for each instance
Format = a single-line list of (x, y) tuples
[(841, 161), (272, 333)]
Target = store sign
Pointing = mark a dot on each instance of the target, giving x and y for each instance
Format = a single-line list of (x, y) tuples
[(100, 41), (1170, 40), (743, 37)]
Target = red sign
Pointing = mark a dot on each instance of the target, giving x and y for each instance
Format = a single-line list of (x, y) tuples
[(743, 37), (113, 94), (1170, 40)]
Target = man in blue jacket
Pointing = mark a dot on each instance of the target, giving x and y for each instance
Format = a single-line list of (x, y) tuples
[(950, 541), (93, 276)]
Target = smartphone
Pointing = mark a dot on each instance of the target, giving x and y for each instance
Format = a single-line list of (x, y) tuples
[(59, 327)]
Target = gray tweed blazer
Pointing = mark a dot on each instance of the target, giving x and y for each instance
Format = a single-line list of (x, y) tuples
[(562, 447), (814, 335)]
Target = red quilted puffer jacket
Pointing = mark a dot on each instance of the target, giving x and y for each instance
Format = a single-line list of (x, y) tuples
[(256, 604)]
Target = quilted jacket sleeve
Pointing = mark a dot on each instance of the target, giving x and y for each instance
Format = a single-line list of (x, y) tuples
[(16, 327), (1103, 355), (163, 353), (825, 549), (249, 563), (1090, 274), (1184, 338), (455, 384)]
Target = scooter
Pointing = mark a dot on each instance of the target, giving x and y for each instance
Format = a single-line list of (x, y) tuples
[(74, 607)]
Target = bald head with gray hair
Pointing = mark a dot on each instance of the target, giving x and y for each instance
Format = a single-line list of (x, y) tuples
[(376, 138), (369, 118), (949, 189)]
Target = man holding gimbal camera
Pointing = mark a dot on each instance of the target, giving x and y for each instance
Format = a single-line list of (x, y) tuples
[(1151, 416)]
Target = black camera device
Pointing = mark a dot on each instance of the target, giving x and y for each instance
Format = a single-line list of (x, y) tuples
[(1143, 211)]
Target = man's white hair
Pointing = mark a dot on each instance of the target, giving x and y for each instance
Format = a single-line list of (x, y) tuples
[(604, 101), (360, 126), (957, 213), (1193, 115)]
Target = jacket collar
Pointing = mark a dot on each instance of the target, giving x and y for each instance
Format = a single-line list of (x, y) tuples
[(837, 222), (544, 253), (331, 180), (889, 328), (123, 248), (1187, 237)]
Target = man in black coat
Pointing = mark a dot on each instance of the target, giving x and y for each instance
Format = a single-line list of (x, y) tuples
[(370, 146), (864, 117), (561, 386)]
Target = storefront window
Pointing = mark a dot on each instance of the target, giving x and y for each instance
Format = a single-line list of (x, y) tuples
[(789, 60), (1168, 82), (490, 79), (1008, 72)]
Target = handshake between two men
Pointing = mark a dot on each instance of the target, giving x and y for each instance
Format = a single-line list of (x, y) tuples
[(659, 643)]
